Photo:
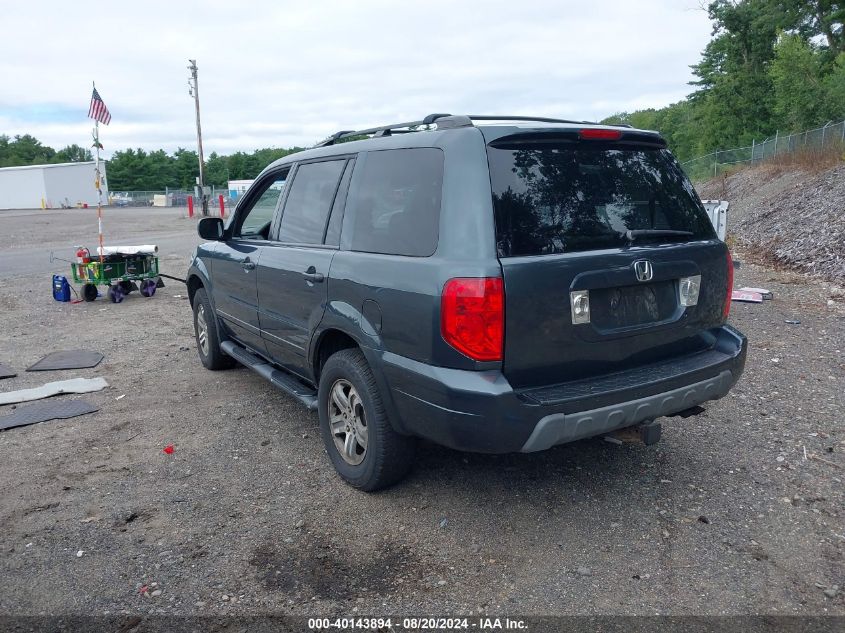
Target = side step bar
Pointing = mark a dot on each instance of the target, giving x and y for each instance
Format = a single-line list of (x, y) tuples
[(277, 377)]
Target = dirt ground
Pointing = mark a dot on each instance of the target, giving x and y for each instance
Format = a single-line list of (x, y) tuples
[(738, 511)]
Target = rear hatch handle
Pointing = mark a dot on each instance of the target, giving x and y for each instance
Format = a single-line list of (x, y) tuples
[(631, 235)]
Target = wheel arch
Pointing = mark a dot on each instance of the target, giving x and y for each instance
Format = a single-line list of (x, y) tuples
[(194, 283), (333, 339), (329, 341)]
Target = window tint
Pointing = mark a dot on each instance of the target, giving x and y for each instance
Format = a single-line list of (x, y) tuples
[(309, 202), (256, 221), (336, 220), (397, 209), (564, 199)]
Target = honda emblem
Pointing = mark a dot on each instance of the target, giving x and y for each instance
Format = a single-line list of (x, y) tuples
[(643, 270)]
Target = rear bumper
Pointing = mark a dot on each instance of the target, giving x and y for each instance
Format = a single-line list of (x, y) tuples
[(479, 411)]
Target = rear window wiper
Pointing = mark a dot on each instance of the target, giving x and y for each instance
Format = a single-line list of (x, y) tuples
[(631, 235)]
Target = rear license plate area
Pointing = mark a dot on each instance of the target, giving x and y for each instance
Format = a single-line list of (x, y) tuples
[(629, 306)]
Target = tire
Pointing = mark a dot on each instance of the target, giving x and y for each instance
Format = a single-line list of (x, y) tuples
[(116, 294), (128, 286), (386, 456), (89, 292), (148, 288), (208, 346)]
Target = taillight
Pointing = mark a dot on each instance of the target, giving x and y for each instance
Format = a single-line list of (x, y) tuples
[(730, 289), (598, 134), (472, 316)]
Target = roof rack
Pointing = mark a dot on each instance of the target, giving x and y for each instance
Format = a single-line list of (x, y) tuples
[(508, 117), (539, 119), (446, 121)]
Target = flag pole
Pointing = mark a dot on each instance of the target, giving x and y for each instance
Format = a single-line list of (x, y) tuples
[(98, 184)]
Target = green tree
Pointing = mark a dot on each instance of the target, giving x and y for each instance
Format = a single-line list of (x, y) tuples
[(185, 169), (824, 18), (216, 170), (734, 90), (24, 150), (796, 77), (834, 90), (73, 154), (124, 169)]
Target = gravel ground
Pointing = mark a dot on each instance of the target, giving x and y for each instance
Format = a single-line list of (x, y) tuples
[(793, 217), (725, 515)]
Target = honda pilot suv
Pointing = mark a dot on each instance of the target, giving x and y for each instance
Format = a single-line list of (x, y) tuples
[(491, 284)]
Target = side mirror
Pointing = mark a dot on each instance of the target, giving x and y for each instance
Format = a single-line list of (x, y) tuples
[(210, 229)]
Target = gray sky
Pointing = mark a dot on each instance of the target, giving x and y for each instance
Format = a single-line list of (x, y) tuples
[(276, 74)]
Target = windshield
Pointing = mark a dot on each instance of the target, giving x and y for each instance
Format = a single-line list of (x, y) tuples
[(569, 198)]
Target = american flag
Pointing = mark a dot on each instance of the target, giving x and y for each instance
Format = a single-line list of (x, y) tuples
[(98, 109)]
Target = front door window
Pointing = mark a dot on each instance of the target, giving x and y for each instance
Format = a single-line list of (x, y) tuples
[(255, 222)]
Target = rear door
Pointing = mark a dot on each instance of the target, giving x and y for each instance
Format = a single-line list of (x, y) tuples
[(617, 223), (294, 267), (236, 260)]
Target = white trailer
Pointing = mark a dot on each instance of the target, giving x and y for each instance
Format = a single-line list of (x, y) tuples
[(718, 212), (50, 186)]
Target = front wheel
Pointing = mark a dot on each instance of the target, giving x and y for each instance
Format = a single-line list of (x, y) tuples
[(116, 293), (365, 450), (207, 334)]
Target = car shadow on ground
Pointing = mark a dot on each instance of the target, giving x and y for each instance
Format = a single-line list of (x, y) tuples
[(570, 474)]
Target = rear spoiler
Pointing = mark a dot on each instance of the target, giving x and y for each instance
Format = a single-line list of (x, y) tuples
[(603, 137)]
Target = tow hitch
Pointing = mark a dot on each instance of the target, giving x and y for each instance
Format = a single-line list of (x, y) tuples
[(647, 433)]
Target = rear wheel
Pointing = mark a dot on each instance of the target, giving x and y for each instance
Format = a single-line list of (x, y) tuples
[(89, 292), (207, 334), (365, 450), (128, 286), (148, 287)]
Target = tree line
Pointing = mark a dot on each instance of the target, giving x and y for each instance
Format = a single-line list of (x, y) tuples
[(28, 150), (139, 170), (771, 65)]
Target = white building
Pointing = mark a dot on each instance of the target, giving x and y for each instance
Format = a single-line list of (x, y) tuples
[(50, 186), (237, 188)]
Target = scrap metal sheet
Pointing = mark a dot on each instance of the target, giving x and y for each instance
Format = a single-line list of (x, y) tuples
[(43, 411), (70, 359)]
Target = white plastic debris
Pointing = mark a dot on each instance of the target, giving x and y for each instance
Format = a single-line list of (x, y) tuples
[(74, 385), (144, 249)]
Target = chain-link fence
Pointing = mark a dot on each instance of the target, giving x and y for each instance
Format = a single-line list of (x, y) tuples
[(168, 198), (831, 136)]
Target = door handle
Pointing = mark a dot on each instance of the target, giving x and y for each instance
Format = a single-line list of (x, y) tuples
[(312, 275), (248, 265)]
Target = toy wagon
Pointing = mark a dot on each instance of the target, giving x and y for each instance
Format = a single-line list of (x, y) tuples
[(118, 271)]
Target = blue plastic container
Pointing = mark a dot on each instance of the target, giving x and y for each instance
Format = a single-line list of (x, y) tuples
[(61, 288)]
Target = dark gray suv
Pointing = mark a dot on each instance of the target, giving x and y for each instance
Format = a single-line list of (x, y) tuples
[(492, 284)]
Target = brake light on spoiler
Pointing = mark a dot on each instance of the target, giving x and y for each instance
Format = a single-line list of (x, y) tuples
[(598, 134)]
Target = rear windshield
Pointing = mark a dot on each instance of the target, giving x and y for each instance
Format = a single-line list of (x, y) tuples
[(569, 198)]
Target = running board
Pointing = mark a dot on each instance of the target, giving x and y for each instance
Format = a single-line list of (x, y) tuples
[(277, 377)]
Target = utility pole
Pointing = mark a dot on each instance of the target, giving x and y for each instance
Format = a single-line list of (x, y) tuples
[(195, 92)]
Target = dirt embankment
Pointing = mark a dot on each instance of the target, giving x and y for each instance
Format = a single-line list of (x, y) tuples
[(793, 217)]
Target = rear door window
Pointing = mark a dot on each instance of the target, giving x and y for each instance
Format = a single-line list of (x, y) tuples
[(397, 205), (309, 201), (574, 197)]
